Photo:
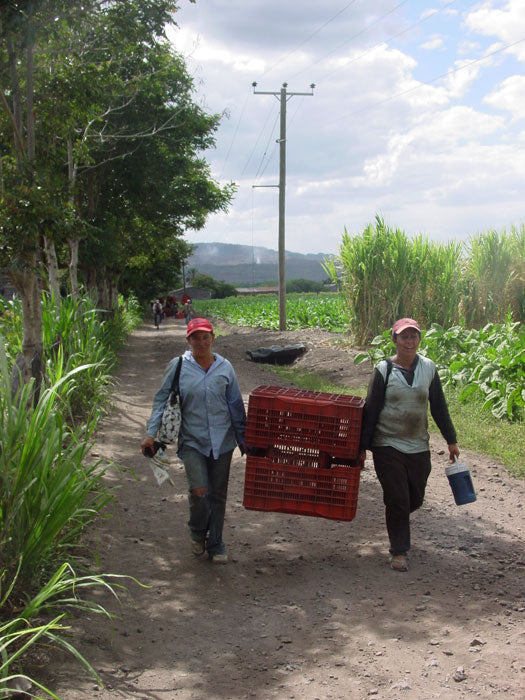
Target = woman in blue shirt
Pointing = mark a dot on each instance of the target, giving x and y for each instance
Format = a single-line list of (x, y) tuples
[(213, 423)]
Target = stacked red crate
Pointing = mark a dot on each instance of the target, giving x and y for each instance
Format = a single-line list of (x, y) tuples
[(303, 447)]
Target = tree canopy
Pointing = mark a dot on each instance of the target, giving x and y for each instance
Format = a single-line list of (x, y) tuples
[(101, 156)]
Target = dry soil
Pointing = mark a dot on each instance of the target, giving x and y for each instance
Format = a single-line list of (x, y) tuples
[(307, 607)]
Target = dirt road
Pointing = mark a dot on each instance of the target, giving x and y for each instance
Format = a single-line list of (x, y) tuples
[(307, 607)]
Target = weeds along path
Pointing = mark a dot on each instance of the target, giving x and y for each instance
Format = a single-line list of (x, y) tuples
[(307, 608)]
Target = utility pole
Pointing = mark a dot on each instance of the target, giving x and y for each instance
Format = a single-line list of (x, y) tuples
[(283, 96)]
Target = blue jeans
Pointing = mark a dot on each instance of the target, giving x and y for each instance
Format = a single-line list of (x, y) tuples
[(207, 512)]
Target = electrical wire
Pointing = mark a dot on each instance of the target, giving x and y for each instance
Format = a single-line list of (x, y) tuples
[(427, 82), (235, 133), (267, 145), (379, 43), (257, 141), (304, 41), (354, 36)]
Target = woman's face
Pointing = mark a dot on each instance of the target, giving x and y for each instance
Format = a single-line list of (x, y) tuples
[(200, 343), (407, 341)]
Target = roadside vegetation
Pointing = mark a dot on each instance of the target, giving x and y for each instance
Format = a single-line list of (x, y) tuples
[(469, 299), (52, 489), (324, 310), (101, 174), (384, 275)]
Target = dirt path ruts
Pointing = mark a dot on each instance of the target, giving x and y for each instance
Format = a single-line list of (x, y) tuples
[(307, 607)]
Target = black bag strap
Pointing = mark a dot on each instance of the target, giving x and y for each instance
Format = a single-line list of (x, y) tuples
[(174, 390)]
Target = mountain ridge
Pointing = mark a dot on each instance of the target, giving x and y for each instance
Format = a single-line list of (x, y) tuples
[(240, 264)]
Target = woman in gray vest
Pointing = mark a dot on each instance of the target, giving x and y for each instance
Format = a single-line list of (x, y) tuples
[(395, 428)]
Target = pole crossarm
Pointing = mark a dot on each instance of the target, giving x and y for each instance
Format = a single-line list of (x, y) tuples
[(283, 95), (278, 93)]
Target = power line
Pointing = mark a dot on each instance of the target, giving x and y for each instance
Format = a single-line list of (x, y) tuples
[(290, 122), (379, 43), (257, 141), (266, 149), (304, 41), (235, 133), (428, 82), (361, 31)]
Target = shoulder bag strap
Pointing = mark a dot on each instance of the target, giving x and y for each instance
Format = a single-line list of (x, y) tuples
[(175, 383)]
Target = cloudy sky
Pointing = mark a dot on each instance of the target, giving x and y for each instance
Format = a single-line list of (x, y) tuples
[(417, 115)]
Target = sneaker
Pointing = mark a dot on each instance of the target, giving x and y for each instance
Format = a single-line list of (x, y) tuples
[(197, 547), (219, 558)]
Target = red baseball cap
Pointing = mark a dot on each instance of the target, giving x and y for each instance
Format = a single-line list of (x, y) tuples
[(404, 323), (198, 324)]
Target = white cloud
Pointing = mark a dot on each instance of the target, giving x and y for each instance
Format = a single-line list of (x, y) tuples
[(510, 96), (435, 42), (382, 133), (461, 77), (468, 47), (507, 23), (428, 145)]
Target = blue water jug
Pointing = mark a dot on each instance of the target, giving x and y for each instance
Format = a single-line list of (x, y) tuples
[(458, 475)]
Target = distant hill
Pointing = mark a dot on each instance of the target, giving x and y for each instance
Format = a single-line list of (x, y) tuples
[(243, 265)]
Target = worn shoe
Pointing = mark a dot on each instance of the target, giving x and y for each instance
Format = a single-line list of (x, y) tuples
[(197, 547), (219, 558), (398, 562)]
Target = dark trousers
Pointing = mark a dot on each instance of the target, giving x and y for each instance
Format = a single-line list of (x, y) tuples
[(403, 478)]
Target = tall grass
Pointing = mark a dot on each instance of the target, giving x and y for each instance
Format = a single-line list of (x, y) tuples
[(494, 277), (74, 335), (384, 275), (50, 490)]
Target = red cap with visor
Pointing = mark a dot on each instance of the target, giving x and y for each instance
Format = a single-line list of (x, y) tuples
[(404, 323), (198, 324)]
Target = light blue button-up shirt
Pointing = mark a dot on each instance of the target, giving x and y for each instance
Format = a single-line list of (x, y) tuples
[(213, 414)]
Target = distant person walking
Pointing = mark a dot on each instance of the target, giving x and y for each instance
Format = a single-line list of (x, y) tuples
[(157, 313), (395, 428), (188, 311)]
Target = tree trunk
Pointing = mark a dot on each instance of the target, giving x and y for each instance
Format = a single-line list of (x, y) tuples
[(113, 296), (90, 275), (30, 115), (102, 287), (73, 242), (27, 285), (73, 267), (52, 270)]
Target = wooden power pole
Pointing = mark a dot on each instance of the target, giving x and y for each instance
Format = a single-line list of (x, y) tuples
[(283, 96)]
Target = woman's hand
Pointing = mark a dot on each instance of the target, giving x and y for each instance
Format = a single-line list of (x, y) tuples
[(148, 445), (453, 452)]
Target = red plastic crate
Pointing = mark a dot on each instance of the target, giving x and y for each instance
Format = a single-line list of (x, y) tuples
[(301, 490), (330, 422)]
